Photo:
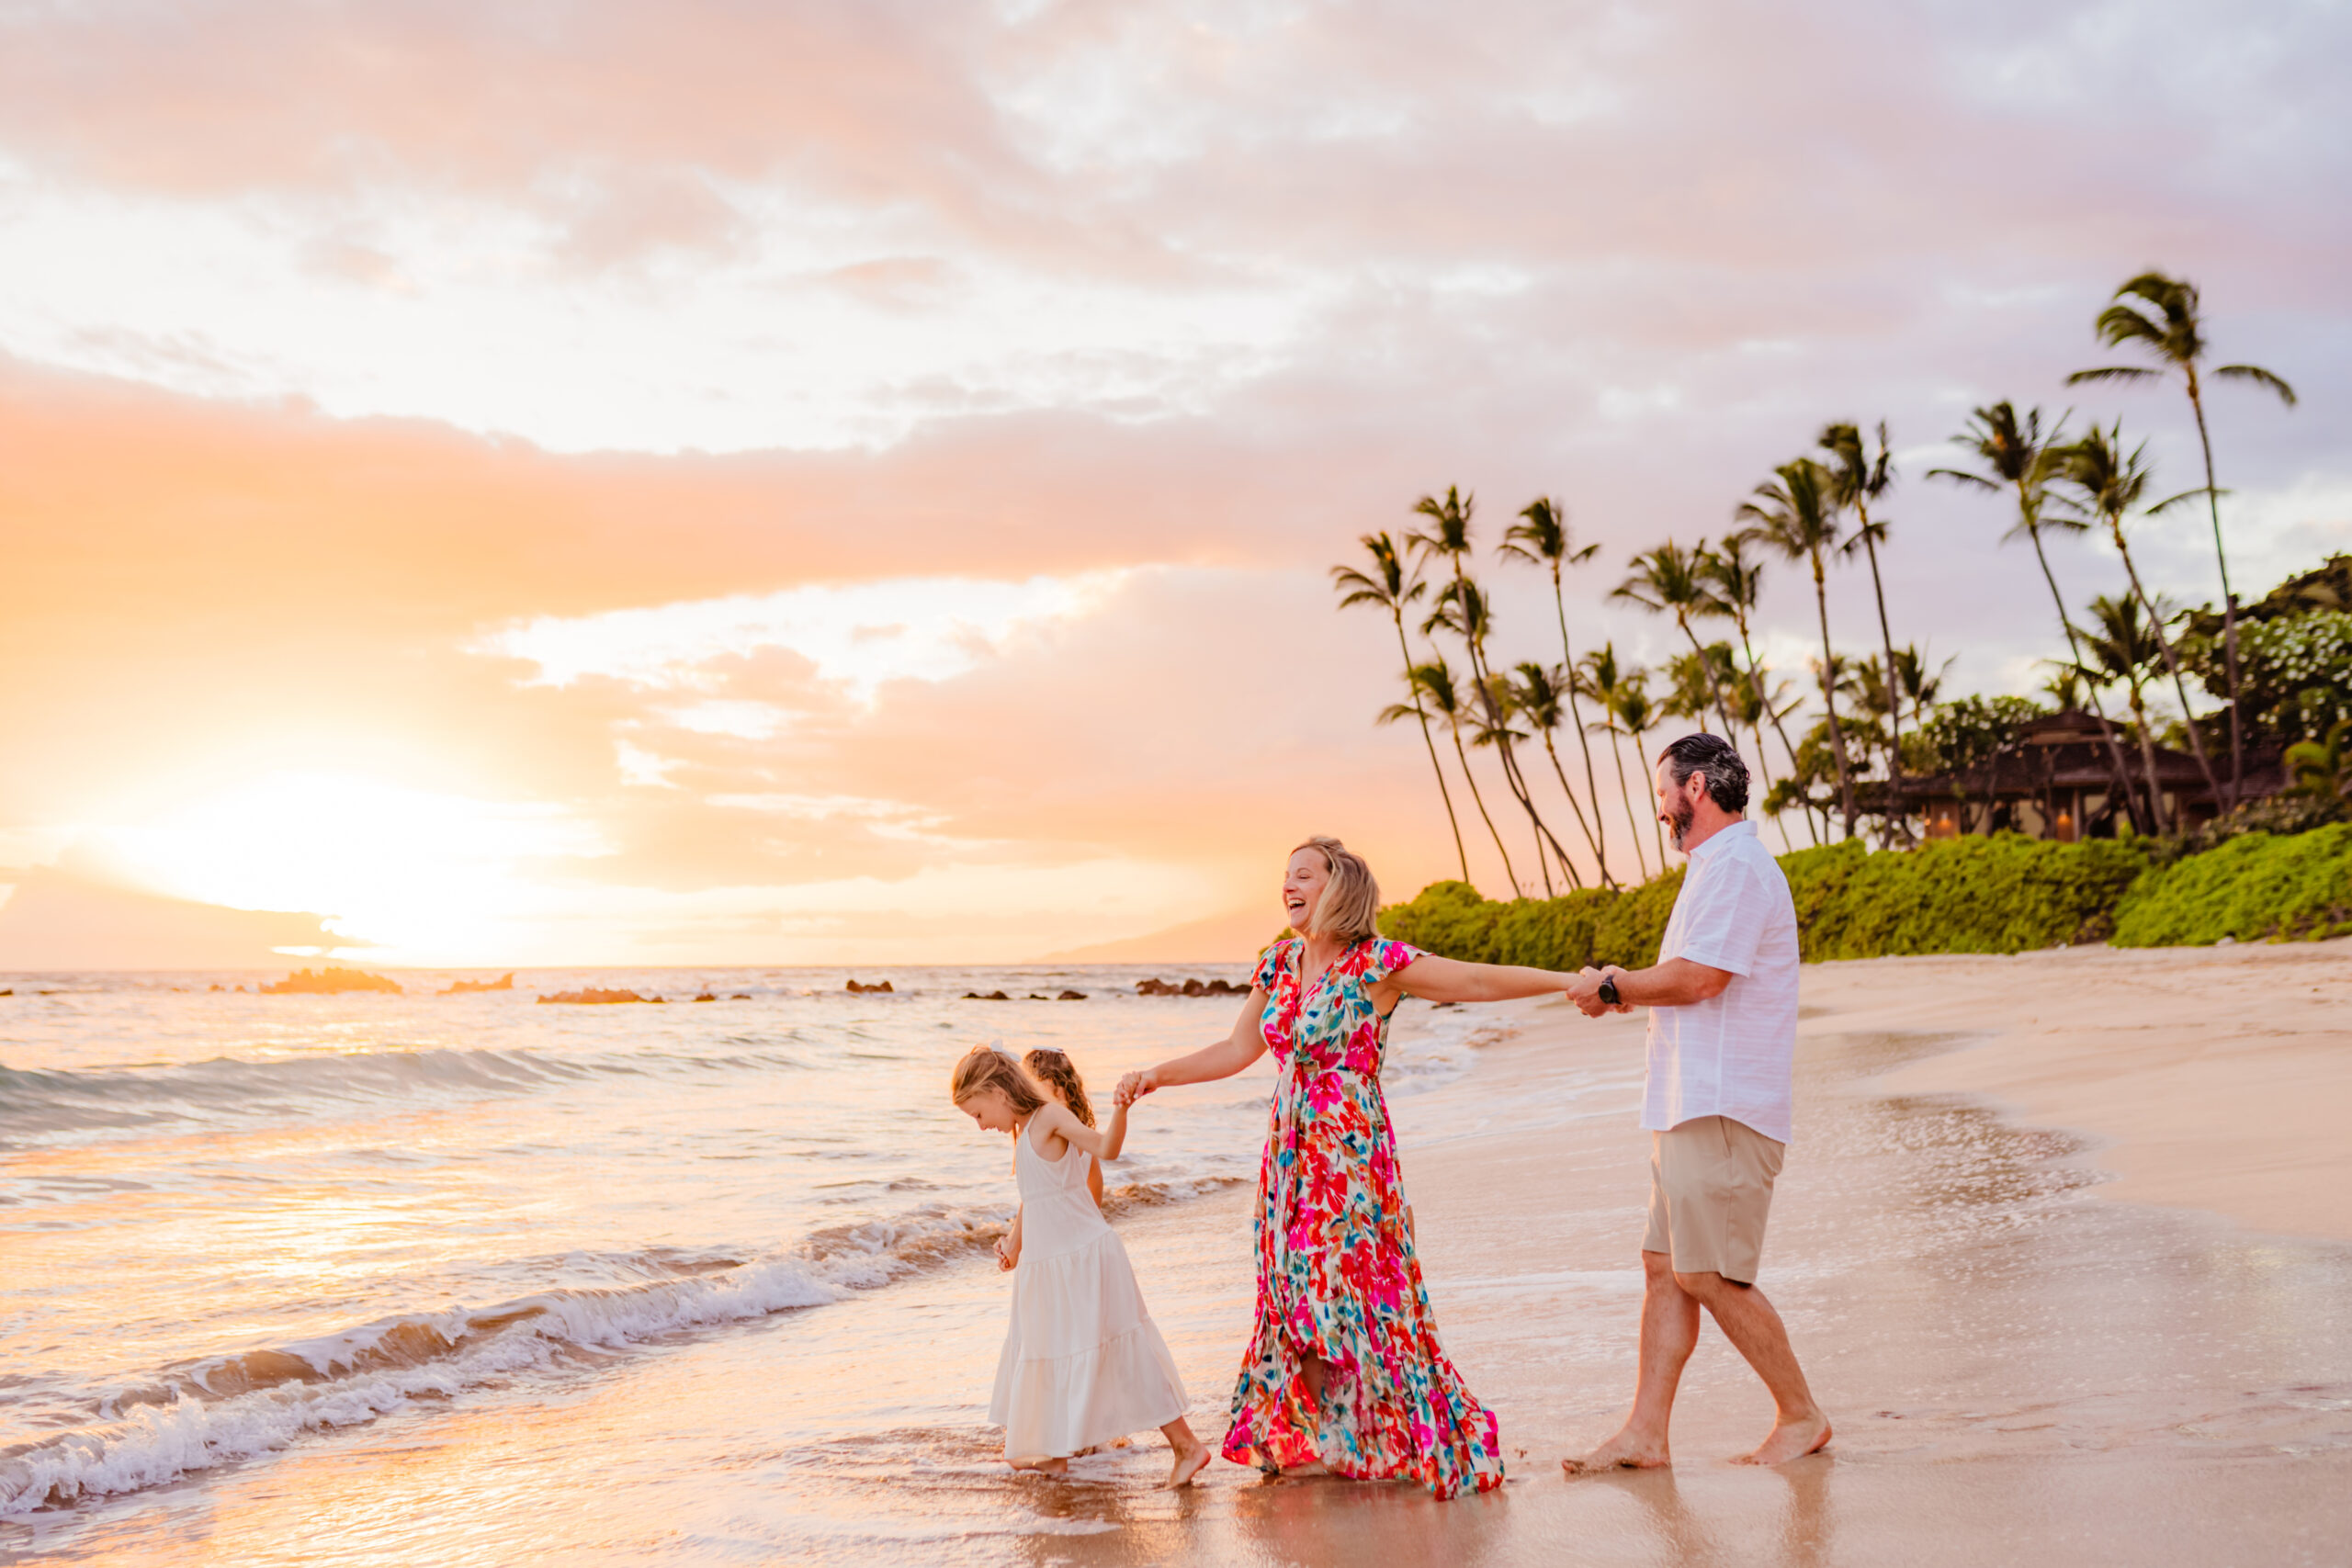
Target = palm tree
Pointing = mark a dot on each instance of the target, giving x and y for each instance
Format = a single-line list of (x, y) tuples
[(1433, 683), (2018, 457), (1794, 514), (2111, 483), (1667, 580), (2170, 329), (1857, 480), (1392, 586), (1538, 695), (1601, 680), (2122, 648), (1633, 709), (1542, 534), (1463, 609), (1737, 585)]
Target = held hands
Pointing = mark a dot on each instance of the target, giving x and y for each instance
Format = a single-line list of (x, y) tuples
[(1134, 1086), (1585, 991)]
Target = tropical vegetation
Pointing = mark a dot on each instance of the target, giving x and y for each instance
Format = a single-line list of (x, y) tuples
[(1833, 744)]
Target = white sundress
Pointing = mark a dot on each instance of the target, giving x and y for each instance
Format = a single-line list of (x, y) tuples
[(1083, 1363)]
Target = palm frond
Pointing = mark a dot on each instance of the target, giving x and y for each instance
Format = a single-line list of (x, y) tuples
[(2260, 378), (2115, 373)]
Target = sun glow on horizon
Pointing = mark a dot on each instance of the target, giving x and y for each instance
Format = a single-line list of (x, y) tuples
[(396, 868)]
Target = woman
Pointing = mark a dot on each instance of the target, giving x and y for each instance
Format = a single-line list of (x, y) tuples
[(1343, 1371)]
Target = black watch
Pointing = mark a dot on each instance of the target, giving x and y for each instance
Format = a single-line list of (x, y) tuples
[(1608, 991)]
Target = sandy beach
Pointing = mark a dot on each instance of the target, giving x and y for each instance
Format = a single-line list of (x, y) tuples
[(2062, 1239)]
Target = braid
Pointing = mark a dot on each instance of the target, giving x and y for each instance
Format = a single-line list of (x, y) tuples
[(1057, 1072)]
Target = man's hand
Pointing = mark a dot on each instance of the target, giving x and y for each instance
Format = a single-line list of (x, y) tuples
[(1134, 1086), (1585, 991)]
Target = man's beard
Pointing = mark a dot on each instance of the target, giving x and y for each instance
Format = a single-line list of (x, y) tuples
[(1680, 819)]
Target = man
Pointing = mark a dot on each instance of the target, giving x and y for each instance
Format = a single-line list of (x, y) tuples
[(1723, 1001)]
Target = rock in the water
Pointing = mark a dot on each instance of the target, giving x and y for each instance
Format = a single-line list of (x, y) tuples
[(469, 988), (328, 982), (707, 997), (853, 986), (741, 997), (989, 996), (1071, 997), (593, 996)]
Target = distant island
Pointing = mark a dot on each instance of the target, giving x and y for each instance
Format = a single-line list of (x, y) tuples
[(328, 982), (593, 996)]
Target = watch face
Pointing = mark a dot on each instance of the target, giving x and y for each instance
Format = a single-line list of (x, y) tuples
[(1608, 992)]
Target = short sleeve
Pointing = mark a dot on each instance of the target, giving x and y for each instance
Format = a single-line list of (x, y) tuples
[(1725, 920), (1386, 957), (1270, 966)]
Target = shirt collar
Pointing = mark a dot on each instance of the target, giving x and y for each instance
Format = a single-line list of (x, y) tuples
[(1722, 840)]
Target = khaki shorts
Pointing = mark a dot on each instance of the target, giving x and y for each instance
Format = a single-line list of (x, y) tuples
[(1711, 1191)]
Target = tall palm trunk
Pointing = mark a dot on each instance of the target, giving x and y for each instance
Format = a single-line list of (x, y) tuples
[(1764, 704), (1632, 822), (1566, 788), (1658, 829), (2090, 693), (1899, 820), (1597, 834), (1396, 612), (1829, 696), (1512, 780), (2172, 663), (1706, 667), (2147, 745), (1453, 723), (2229, 603)]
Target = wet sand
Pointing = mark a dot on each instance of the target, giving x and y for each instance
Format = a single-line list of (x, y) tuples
[(2216, 1078), (2019, 1368)]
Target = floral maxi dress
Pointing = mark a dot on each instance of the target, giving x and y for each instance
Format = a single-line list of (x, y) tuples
[(1337, 1273)]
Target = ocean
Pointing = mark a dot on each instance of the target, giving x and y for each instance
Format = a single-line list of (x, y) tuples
[(246, 1233)]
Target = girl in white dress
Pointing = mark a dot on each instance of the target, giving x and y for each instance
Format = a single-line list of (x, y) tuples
[(1083, 1363)]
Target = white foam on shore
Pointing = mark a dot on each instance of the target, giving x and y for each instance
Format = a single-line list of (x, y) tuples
[(151, 1444)]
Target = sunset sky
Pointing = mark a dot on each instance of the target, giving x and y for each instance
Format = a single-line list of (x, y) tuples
[(796, 483)]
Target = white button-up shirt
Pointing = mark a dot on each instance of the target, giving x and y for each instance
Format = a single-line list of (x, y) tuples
[(1733, 1053)]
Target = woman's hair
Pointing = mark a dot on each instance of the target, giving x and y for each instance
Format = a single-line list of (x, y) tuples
[(1057, 1072), (985, 1066), (1350, 908)]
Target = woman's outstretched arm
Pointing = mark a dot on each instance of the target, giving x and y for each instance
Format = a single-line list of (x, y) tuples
[(1435, 980), (1222, 1060)]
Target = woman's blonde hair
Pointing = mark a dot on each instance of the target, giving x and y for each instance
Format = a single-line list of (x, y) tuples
[(985, 1066), (1057, 1072), (1350, 908)]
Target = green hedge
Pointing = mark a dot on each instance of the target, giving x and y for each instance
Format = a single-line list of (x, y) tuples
[(2254, 887), (2003, 894)]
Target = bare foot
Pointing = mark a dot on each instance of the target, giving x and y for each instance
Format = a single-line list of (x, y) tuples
[(1790, 1439), (1046, 1466), (1623, 1451), (1189, 1464)]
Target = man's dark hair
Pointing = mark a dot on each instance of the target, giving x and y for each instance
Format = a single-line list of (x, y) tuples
[(1710, 756)]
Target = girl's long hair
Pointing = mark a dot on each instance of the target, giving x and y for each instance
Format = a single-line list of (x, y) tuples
[(985, 1066), (1057, 1071)]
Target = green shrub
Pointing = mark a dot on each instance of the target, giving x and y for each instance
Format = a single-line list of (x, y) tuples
[(2005, 894), (2002, 894), (2253, 887)]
